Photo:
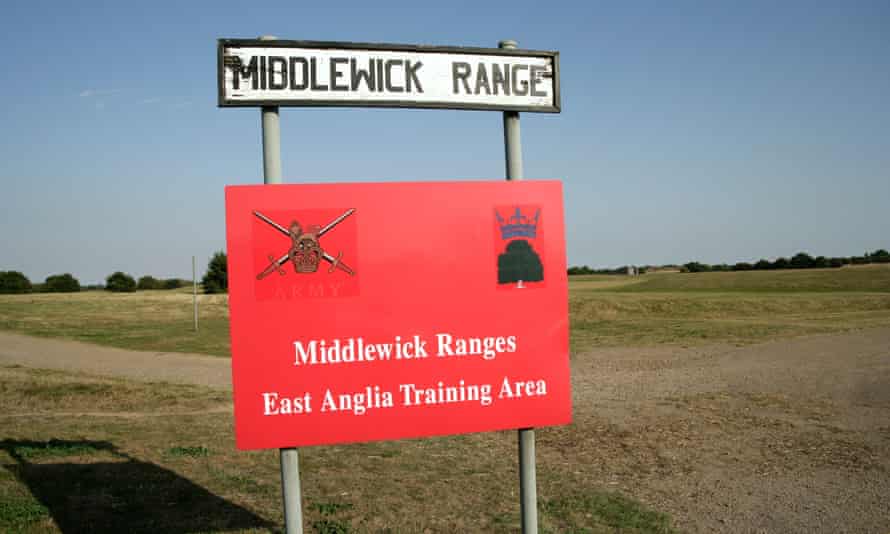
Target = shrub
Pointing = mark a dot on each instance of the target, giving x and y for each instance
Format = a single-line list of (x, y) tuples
[(801, 260), (148, 282), (61, 283), (696, 267), (216, 280), (14, 282), (172, 283), (781, 263), (762, 265), (880, 256), (120, 283)]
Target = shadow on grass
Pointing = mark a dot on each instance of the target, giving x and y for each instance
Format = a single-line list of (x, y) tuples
[(118, 494)]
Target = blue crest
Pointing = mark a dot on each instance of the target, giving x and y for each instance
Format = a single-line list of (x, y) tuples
[(518, 225)]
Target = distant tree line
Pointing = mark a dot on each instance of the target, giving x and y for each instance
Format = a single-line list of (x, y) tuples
[(215, 280), (801, 260), (16, 282), (120, 282), (587, 270)]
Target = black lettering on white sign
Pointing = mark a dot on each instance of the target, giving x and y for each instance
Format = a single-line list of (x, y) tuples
[(256, 73)]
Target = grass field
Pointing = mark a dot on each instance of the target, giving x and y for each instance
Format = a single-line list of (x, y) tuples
[(730, 307), (87, 454), (864, 279), (80, 453), (672, 308), (146, 320)]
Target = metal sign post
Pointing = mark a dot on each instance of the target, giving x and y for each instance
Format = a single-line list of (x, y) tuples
[(528, 491), (290, 458)]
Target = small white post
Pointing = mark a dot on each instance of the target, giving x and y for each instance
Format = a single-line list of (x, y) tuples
[(195, 292)]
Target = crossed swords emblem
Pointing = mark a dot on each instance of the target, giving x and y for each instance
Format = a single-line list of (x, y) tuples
[(305, 251)]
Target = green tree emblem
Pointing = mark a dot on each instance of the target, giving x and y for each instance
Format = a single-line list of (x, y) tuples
[(519, 262)]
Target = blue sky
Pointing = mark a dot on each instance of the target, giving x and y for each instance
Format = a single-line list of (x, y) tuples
[(710, 131)]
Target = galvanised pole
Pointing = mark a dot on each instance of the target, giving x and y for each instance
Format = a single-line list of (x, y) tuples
[(512, 141), (271, 139), (290, 491), (290, 458), (528, 490)]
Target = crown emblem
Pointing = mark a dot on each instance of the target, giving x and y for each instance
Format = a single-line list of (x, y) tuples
[(518, 225)]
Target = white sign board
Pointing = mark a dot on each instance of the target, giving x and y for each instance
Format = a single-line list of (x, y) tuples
[(300, 73)]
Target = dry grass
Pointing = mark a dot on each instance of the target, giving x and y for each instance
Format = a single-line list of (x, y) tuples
[(43, 391), (146, 320), (866, 278), (676, 308), (63, 466), (600, 318), (125, 450)]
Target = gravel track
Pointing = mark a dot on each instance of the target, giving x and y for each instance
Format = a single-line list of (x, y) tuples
[(785, 436), (64, 355)]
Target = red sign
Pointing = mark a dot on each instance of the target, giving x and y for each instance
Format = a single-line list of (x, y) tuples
[(363, 312)]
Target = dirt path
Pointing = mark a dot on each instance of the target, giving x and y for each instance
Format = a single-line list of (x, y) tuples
[(64, 355), (786, 436)]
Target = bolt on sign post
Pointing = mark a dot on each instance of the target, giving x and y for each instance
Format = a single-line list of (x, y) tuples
[(387, 345)]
